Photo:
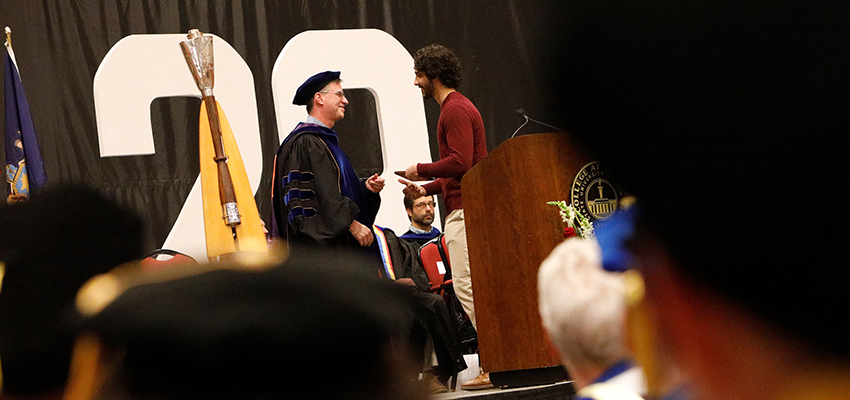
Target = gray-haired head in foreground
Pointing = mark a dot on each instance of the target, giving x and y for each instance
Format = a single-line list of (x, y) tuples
[(582, 306)]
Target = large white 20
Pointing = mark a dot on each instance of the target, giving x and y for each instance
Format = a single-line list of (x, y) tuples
[(140, 68)]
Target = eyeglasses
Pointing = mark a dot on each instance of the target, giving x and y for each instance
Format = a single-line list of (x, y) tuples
[(424, 205), (340, 93)]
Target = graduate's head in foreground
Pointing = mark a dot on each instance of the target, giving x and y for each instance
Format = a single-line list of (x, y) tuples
[(583, 309), (51, 245), (233, 333)]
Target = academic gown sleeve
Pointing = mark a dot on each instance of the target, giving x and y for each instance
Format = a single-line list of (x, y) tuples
[(405, 259), (311, 201), (415, 271), (372, 201)]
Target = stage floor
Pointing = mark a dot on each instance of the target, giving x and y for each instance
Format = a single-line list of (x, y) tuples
[(560, 390)]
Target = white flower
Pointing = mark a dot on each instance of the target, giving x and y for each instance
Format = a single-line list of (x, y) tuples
[(574, 219)]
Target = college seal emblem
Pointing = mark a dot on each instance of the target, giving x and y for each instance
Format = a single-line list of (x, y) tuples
[(594, 193)]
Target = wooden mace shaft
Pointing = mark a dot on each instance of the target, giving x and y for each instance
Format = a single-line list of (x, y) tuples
[(225, 183)]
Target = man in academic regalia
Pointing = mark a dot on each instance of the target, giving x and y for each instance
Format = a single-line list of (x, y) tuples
[(318, 199), (430, 315), (421, 215)]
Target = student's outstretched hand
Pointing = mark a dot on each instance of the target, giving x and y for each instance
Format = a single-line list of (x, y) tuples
[(412, 190)]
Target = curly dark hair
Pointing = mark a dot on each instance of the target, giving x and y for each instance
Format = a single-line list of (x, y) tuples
[(436, 61)]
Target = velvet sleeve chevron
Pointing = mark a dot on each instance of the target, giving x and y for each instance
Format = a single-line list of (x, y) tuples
[(309, 200)]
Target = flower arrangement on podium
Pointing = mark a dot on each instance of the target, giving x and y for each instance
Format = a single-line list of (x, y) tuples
[(577, 224)]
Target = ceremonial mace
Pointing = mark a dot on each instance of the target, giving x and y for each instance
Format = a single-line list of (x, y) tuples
[(198, 50)]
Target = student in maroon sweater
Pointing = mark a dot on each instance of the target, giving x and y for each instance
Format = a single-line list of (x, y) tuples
[(462, 144)]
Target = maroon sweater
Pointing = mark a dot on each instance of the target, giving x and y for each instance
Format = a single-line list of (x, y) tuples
[(462, 143)]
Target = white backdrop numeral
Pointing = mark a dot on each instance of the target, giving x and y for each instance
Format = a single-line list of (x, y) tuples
[(140, 68)]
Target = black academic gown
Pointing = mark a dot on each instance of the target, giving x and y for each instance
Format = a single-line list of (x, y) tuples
[(431, 315), (309, 205)]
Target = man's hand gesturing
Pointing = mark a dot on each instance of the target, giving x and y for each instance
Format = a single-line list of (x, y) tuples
[(375, 183)]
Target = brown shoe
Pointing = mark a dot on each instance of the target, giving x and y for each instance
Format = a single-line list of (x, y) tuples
[(435, 386), (481, 382)]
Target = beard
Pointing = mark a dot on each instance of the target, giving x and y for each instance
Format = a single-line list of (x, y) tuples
[(425, 219), (427, 90)]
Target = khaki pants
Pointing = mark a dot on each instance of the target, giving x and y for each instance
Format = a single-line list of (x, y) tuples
[(459, 259)]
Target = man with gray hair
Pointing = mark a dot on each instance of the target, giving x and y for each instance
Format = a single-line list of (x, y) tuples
[(583, 310), (317, 197)]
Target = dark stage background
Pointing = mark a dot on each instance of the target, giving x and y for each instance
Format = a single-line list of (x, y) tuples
[(506, 48)]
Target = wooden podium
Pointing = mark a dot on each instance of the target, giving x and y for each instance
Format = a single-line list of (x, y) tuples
[(510, 231)]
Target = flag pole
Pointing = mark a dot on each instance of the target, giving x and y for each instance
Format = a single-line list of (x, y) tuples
[(8, 46)]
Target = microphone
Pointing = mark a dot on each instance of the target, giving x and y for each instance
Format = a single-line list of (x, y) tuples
[(522, 113)]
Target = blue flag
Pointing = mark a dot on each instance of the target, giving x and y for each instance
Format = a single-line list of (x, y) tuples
[(24, 167)]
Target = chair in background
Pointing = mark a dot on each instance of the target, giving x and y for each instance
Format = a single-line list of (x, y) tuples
[(434, 256), (160, 259), (435, 260)]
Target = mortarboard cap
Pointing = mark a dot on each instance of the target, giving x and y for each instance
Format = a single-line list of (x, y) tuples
[(312, 85)]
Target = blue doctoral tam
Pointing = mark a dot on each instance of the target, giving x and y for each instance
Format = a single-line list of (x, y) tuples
[(312, 85)]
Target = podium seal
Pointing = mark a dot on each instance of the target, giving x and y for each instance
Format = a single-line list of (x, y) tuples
[(595, 193)]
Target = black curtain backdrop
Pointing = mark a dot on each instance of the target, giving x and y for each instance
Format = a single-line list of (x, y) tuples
[(505, 46)]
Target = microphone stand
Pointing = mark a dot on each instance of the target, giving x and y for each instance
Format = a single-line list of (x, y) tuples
[(522, 113), (523, 124), (545, 124)]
